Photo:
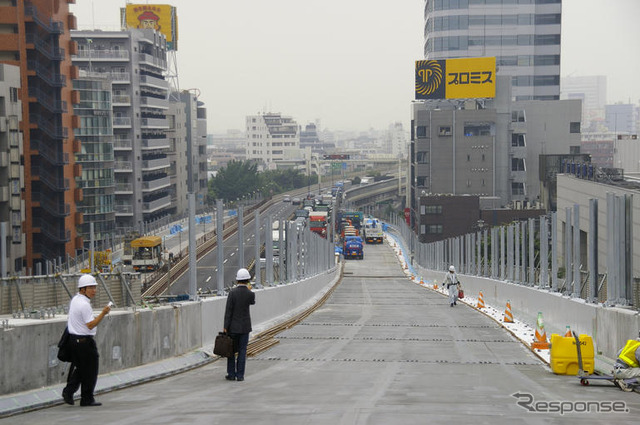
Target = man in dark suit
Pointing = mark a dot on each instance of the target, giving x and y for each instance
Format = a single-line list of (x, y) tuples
[(237, 323)]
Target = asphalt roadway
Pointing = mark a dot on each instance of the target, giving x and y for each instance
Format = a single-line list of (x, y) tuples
[(381, 350)]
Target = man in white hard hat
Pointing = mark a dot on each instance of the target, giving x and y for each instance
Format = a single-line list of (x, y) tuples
[(237, 323), (452, 284), (84, 353)]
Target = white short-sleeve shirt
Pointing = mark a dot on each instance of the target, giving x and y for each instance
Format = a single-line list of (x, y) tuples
[(80, 313)]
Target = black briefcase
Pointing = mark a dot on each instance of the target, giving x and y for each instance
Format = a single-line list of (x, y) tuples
[(64, 349), (224, 345)]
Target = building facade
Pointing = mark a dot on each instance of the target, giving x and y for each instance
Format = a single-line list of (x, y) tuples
[(272, 137), (397, 141), (622, 118), (488, 148), (35, 38), (136, 61), (12, 206), (523, 35), (592, 91), (97, 181)]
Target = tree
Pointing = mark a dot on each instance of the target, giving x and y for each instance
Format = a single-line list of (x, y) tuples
[(237, 179)]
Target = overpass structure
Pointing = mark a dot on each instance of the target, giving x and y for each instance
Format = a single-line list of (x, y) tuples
[(372, 194), (379, 349)]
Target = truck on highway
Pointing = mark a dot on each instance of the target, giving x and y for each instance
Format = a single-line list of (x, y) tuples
[(372, 231), (352, 247), (318, 222)]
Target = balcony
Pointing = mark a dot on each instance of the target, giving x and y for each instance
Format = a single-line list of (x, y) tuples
[(150, 60), (98, 55), (155, 164), (152, 185), (155, 144), (95, 183), (121, 100), (158, 204), (153, 123), (53, 207), (122, 144), (124, 189), (121, 209), (147, 80), (50, 231), (154, 102), (121, 77), (121, 122), (122, 166)]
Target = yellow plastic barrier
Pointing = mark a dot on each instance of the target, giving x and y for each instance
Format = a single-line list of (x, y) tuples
[(564, 355)]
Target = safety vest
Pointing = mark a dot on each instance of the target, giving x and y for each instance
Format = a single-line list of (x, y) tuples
[(628, 354)]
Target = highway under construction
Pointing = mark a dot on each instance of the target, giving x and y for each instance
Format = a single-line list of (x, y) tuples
[(380, 349)]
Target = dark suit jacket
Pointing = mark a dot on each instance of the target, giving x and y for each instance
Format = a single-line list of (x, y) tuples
[(237, 319)]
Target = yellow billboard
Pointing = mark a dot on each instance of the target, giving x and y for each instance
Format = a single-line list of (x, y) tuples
[(468, 78), (160, 17)]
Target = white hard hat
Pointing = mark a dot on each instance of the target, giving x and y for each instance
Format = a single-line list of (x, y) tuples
[(452, 269), (243, 274), (86, 280)]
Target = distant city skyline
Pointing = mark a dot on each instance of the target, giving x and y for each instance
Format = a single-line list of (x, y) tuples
[(352, 70)]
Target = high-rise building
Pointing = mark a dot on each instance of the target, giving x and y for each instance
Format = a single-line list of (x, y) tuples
[(196, 125), (34, 36), (397, 140), (135, 60), (95, 135), (523, 35), (12, 212)]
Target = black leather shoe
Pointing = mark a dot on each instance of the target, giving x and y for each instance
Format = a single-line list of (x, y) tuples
[(67, 398), (239, 379), (229, 378), (92, 404)]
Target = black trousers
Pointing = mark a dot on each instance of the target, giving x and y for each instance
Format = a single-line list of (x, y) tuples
[(84, 367)]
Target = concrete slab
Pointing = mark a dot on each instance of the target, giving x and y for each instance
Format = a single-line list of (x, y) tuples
[(381, 350)]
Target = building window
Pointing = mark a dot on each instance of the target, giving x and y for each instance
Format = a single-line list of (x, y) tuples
[(471, 130), (422, 157), (434, 229), (421, 181), (421, 131), (517, 164), (518, 116), (517, 140), (517, 188), (444, 130), (431, 209), (574, 127), (13, 94), (468, 158)]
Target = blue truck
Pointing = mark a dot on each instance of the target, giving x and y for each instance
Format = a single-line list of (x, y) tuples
[(352, 248)]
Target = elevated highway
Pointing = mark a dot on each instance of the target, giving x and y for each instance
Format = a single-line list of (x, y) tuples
[(380, 350)]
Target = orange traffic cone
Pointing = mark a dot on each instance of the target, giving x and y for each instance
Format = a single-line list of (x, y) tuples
[(481, 300), (435, 286), (421, 281), (508, 316), (540, 342)]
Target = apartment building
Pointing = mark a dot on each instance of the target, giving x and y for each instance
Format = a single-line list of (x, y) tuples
[(272, 137), (34, 36), (135, 60)]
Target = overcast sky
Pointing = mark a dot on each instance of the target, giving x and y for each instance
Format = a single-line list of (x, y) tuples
[(349, 63)]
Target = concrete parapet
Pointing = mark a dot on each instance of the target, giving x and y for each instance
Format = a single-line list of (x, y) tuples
[(610, 327), (128, 339)]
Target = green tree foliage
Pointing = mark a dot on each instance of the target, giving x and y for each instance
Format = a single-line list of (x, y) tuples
[(241, 178), (237, 179), (356, 181)]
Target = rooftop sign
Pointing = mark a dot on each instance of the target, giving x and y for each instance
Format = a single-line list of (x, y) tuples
[(469, 78)]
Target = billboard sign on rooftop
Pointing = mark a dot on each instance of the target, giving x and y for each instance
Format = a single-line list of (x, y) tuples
[(468, 78), (160, 17)]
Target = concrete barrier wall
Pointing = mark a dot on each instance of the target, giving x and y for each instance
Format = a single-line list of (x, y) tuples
[(127, 339), (610, 327)]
